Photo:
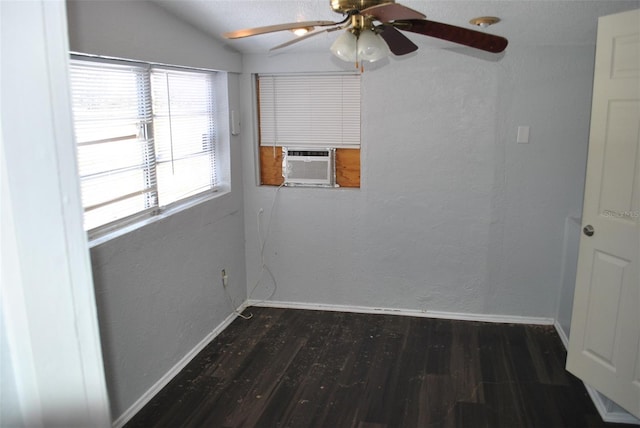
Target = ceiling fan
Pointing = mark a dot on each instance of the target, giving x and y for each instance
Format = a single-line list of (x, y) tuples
[(372, 31)]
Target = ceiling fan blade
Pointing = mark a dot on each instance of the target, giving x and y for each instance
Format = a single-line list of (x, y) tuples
[(274, 28), (475, 39), (398, 43), (306, 36), (391, 12)]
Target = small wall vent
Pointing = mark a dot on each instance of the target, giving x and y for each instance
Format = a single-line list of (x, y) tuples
[(309, 167)]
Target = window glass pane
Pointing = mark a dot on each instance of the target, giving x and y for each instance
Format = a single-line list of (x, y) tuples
[(184, 133), (101, 189), (112, 110), (184, 177), (114, 155), (112, 212), (310, 110)]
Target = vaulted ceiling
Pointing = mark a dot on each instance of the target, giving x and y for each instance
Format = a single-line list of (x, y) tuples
[(524, 23)]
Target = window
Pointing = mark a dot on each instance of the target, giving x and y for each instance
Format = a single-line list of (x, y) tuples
[(309, 110), (146, 138), (184, 130)]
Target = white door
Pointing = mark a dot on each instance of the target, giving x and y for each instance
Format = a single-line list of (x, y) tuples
[(604, 348)]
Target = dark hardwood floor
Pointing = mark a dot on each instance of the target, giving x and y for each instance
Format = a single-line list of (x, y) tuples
[(295, 368)]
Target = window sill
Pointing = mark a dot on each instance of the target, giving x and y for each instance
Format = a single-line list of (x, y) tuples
[(163, 214)]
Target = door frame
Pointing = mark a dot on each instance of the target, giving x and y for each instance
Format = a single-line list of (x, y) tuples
[(49, 319)]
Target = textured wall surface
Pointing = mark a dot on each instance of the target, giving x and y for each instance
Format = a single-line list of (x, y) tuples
[(452, 215), (159, 293), (142, 30)]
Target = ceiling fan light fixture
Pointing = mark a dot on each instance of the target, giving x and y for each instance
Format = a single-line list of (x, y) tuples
[(345, 46), (371, 46)]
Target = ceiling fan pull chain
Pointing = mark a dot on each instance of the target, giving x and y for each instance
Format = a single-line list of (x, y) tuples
[(357, 62)]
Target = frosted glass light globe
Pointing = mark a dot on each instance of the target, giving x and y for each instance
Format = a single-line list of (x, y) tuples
[(345, 47), (371, 47)]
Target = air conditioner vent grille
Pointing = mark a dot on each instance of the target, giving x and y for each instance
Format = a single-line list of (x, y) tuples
[(307, 170), (308, 167)]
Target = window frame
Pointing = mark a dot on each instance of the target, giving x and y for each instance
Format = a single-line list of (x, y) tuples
[(325, 87), (215, 140), (268, 164), (121, 226)]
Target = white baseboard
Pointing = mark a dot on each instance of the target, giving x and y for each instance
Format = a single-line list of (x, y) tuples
[(168, 376), (509, 319), (607, 415), (563, 335)]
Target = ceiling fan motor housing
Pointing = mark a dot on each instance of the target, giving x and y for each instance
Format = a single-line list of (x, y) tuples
[(346, 6)]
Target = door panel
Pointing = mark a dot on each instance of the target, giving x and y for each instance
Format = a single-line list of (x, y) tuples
[(602, 332), (604, 347), (620, 160)]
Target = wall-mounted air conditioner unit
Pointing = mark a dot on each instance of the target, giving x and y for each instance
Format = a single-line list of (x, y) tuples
[(309, 167)]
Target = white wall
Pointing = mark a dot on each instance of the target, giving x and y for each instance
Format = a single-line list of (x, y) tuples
[(571, 244), (548, 88), (142, 30), (10, 414), (159, 287), (452, 215), (159, 292), (51, 363)]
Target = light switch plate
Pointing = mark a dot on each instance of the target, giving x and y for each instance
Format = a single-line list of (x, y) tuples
[(523, 135)]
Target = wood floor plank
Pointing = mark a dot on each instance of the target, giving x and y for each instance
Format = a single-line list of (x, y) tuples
[(411, 367), (303, 389), (295, 368), (471, 415), (465, 370)]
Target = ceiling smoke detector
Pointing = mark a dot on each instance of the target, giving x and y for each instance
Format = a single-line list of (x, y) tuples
[(484, 21)]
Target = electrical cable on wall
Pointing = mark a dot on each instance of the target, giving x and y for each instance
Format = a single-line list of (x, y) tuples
[(232, 303), (262, 243), (263, 265)]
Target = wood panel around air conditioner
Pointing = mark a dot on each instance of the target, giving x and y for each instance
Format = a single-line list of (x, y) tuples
[(347, 167)]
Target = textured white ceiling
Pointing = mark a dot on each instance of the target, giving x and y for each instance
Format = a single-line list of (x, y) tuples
[(530, 22)]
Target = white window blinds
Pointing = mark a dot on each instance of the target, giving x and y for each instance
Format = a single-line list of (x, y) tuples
[(145, 137), (309, 110), (184, 132), (112, 112)]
